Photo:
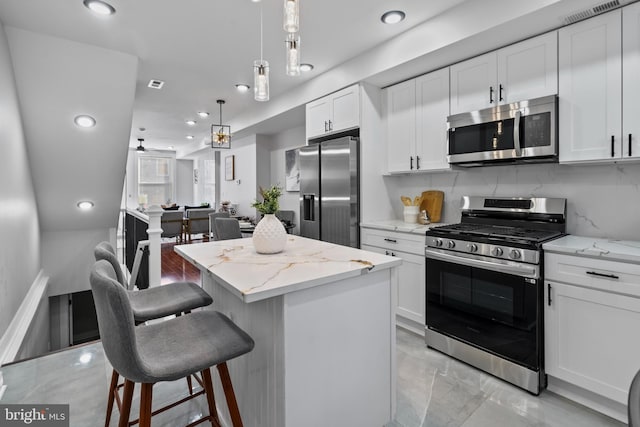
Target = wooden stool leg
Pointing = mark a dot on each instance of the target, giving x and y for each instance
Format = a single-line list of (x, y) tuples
[(146, 396), (211, 401), (189, 384), (111, 397), (127, 395), (236, 421)]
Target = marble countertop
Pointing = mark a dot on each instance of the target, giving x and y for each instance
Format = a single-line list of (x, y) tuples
[(303, 264), (399, 225), (614, 250)]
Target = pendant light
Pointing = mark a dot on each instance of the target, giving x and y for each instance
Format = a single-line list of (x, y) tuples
[(293, 54), (220, 134), (291, 16), (260, 73)]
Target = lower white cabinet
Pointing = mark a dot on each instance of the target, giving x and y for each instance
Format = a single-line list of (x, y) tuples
[(410, 309), (592, 319)]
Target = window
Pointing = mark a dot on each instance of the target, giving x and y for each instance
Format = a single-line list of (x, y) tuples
[(155, 180)]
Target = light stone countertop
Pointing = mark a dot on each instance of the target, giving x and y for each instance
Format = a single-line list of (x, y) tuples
[(303, 264), (400, 226), (614, 250)]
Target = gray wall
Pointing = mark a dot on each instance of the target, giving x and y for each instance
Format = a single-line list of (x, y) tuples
[(602, 200), (19, 224)]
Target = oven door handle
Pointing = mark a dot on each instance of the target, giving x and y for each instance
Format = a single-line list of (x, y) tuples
[(516, 134), (523, 270)]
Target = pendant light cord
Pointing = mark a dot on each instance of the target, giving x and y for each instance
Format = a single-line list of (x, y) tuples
[(260, 31)]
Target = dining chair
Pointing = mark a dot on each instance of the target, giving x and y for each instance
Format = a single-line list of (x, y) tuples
[(227, 228), (212, 226), (172, 223), (633, 404), (197, 221), (164, 351)]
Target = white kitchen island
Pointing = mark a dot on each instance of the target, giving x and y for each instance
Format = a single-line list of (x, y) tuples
[(323, 322)]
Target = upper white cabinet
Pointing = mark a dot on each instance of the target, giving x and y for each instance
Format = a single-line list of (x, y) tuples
[(599, 61), (517, 72), (333, 113), (416, 113)]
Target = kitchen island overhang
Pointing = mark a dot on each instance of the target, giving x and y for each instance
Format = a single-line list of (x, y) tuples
[(323, 319)]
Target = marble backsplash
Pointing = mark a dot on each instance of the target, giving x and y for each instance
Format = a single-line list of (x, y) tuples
[(602, 200)]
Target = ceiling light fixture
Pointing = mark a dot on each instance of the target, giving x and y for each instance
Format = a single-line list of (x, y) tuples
[(305, 68), (220, 134), (293, 54), (291, 16), (189, 137), (84, 121), (85, 205), (241, 87), (392, 17), (190, 122), (140, 147), (260, 73), (203, 114), (99, 7)]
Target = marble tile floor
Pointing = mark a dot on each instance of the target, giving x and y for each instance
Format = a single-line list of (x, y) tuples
[(433, 391)]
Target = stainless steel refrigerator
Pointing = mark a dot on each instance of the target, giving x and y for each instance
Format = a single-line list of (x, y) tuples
[(329, 191)]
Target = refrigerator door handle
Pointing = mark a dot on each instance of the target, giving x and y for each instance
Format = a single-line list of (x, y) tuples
[(308, 211)]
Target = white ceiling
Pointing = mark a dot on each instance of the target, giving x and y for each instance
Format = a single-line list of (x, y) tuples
[(202, 48)]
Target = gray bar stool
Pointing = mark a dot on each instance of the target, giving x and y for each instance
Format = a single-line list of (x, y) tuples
[(164, 351), (227, 228), (153, 303)]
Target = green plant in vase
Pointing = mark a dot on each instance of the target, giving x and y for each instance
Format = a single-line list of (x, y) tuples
[(269, 204), (269, 237)]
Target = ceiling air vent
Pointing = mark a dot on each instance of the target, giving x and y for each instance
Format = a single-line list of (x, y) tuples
[(155, 84), (592, 11)]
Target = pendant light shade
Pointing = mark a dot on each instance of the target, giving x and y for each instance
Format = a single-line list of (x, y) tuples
[(291, 16), (261, 80), (220, 134), (293, 54)]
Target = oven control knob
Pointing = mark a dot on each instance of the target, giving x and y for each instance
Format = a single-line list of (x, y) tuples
[(496, 251), (437, 242), (451, 244), (514, 254), (472, 247)]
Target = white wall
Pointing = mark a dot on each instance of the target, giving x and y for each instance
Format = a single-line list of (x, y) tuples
[(602, 200), (19, 225), (242, 189), (279, 143), (67, 258)]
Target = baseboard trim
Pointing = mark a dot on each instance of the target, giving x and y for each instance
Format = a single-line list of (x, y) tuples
[(15, 334)]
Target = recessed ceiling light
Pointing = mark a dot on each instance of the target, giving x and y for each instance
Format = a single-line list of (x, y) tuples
[(203, 114), (242, 87), (392, 17), (85, 205), (306, 67), (99, 7), (84, 121), (189, 136), (170, 147), (190, 122)]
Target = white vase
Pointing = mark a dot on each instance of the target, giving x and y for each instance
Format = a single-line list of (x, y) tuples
[(269, 237)]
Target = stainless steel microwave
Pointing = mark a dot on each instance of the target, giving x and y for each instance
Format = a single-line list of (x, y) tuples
[(520, 132)]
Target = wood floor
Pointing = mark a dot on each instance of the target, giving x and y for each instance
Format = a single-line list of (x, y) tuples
[(175, 268)]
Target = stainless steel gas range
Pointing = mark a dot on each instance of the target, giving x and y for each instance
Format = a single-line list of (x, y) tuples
[(485, 285)]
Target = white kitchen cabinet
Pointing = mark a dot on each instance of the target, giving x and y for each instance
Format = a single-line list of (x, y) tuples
[(592, 313), (630, 82), (333, 113), (521, 71), (416, 113), (410, 309)]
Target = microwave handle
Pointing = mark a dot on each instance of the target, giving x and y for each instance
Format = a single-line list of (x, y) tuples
[(516, 134)]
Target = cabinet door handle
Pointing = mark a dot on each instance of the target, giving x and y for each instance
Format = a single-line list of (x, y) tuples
[(610, 276), (629, 145), (411, 162), (393, 254), (386, 239), (417, 162), (490, 94), (325, 125), (549, 294), (330, 125), (500, 94), (386, 252), (613, 141)]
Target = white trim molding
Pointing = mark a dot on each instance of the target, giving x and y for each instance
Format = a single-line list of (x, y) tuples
[(15, 334)]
